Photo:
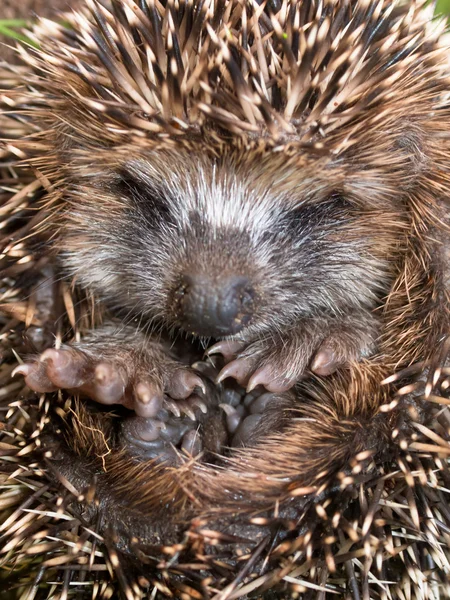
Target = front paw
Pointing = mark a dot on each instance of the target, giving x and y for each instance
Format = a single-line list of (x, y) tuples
[(278, 362), (142, 380)]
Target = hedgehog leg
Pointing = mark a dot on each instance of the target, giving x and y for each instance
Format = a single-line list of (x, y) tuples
[(320, 346), (119, 367)]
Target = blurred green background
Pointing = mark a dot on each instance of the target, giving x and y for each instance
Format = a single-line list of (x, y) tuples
[(443, 6)]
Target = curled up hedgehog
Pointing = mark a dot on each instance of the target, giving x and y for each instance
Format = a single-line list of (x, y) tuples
[(225, 298)]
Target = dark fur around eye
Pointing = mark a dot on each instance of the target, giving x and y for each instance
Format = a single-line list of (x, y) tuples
[(335, 208), (148, 202)]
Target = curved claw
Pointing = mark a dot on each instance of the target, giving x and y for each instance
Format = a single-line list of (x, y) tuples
[(239, 369), (205, 368), (198, 402), (24, 370), (172, 407), (227, 348), (35, 377), (183, 383), (266, 377), (186, 408)]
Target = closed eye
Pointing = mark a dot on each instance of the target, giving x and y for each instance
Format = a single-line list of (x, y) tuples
[(332, 210), (146, 199)]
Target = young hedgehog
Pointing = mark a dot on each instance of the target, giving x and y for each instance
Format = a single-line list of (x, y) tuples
[(213, 175), (269, 182)]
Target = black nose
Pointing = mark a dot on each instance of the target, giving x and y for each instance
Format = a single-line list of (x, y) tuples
[(214, 307)]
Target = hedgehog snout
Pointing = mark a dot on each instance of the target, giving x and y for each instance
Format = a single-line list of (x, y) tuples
[(214, 307)]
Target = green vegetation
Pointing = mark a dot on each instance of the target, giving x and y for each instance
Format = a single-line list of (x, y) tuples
[(443, 7), (11, 28)]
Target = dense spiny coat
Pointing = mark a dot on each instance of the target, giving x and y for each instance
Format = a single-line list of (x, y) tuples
[(335, 111)]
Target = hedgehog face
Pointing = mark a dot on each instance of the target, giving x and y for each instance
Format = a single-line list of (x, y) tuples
[(204, 208), (218, 246)]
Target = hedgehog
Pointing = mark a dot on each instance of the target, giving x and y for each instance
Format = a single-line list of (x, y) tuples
[(225, 262)]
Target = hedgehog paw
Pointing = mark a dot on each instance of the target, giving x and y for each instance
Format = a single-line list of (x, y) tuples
[(278, 367), (251, 371), (141, 385)]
